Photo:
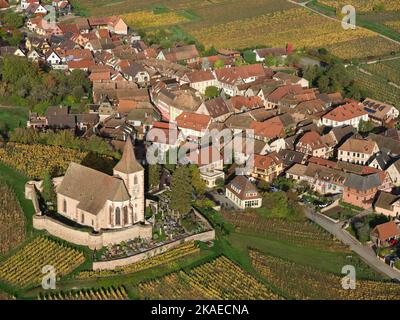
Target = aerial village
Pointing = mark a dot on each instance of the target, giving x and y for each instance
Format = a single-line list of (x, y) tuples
[(340, 154)]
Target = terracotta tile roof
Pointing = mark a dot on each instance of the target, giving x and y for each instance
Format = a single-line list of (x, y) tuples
[(100, 76), (217, 107), (280, 92), (243, 188), (266, 161), (323, 162), (69, 27), (193, 121), (235, 74), (240, 102), (313, 139), (181, 53), (79, 54), (386, 230), (200, 76), (4, 4), (358, 145), (271, 128), (204, 156), (127, 105), (81, 64), (346, 112)]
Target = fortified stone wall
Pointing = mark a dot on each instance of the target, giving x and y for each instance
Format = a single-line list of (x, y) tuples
[(112, 264), (93, 241)]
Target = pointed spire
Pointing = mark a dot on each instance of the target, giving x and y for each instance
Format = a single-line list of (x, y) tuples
[(128, 163)]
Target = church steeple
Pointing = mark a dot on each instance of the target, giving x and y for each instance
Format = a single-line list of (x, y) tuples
[(128, 163)]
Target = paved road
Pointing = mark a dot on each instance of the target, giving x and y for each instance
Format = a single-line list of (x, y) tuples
[(365, 252)]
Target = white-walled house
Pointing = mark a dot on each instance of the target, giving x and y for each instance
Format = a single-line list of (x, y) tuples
[(200, 80), (53, 58), (243, 193), (348, 114)]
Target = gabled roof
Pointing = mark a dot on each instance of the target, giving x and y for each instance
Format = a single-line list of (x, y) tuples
[(128, 163), (385, 200), (363, 183), (346, 112), (358, 145), (200, 76), (265, 162), (193, 121), (91, 188), (243, 188), (386, 230), (217, 107)]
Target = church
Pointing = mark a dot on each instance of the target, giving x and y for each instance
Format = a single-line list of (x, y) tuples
[(103, 202)]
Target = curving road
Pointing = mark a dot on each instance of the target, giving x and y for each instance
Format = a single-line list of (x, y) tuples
[(365, 252)]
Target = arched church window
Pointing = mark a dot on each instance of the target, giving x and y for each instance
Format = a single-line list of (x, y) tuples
[(135, 180), (118, 217), (111, 219), (65, 206), (125, 215)]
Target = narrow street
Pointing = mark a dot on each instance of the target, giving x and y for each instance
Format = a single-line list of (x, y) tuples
[(365, 252)]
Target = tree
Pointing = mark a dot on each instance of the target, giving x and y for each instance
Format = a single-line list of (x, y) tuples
[(218, 64), (249, 56), (98, 145), (154, 174), (211, 92), (48, 193), (366, 126), (78, 93), (270, 61), (323, 83), (197, 183), (13, 20), (181, 190)]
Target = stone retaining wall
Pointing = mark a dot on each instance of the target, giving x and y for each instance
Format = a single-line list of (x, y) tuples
[(93, 241), (112, 264)]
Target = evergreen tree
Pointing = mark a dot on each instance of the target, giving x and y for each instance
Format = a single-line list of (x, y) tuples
[(198, 184), (181, 190), (48, 189), (154, 173)]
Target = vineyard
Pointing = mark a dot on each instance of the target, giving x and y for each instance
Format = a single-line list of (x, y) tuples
[(297, 26), (148, 19), (218, 279), (12, 220), (305, 282), (25, 266), (167, 258), (301, 233), (35, 160), (377, 87), (395, 25), (90, 294), (364, 5), (389, 70)]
